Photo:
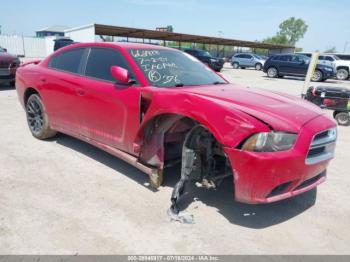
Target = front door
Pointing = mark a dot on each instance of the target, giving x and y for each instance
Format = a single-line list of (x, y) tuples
[(111, 109)]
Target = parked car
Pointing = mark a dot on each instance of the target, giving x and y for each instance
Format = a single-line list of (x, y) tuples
[(332, 98), (243, 60), (204, 56), (154, 106), (62, 42), (296, 65), (341, 66), (8, 67)]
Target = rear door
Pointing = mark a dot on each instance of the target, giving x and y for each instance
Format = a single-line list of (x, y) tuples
[(111, 109), (284, 64), (249, 60), (245, 60), (60, 84)]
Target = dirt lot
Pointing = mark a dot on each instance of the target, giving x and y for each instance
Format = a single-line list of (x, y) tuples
[(64, 196)]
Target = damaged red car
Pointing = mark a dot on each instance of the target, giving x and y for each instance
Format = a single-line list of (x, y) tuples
[(154, 106)]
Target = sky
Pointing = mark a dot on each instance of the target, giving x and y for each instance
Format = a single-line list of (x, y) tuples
[(328, 20)]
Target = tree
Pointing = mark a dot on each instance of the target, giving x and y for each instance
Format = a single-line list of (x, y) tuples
[(330, 50), (293, 29), (290, 32), (277, 39)]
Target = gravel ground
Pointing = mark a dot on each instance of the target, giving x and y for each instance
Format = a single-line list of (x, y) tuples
[(64, 196)]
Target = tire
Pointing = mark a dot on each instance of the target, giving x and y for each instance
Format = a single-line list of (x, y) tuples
[(242, 67), (235, 65), (317, 76), (342, 74), (342, 118), (37, 119), (13, 83), (272, 72), (258, 66)]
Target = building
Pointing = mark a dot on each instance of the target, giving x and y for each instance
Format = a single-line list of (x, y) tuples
[(56, 30)]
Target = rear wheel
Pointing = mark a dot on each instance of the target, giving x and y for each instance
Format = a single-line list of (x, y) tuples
[(235, 65), (272, 72), (343, 118), (317, 76), (342, 74), (258, 66), (37, 119)]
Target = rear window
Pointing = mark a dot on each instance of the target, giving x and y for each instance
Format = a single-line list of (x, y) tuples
[(68, 61)]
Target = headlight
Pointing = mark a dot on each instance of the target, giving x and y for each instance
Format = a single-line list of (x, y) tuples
[(328, 68), (270, 142), (212, 60)]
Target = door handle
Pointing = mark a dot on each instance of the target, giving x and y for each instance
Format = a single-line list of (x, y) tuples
[(43, 79), (80, 92)]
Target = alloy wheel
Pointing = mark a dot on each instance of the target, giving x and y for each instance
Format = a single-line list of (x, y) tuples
[(35, 116), (272, 72)]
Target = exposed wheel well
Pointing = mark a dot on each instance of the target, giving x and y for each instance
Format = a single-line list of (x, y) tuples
[(29, 91), (162, 139)]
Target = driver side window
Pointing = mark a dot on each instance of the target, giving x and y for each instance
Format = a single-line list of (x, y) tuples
[(100, 61)]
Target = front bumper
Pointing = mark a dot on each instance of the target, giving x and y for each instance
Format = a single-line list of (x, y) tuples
[(272, 176), (7, 75)]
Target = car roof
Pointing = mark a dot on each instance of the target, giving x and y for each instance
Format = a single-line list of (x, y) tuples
[(124, 45)]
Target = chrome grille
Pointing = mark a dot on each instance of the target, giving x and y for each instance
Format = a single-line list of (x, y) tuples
[(322, 147)]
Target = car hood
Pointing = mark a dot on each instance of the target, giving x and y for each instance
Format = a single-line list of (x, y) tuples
[(279, 111), (342, 62)]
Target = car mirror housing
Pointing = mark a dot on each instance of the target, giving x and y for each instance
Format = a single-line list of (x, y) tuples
[(120, 74)]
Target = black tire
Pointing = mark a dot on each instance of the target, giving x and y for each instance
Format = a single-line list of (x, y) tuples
[(342, 74), (342, 118), (37, 119), (242, 67), (13, 83), (235, 65), (272, 72), (317, 76), (258, 66)]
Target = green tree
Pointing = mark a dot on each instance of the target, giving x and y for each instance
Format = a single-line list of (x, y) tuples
[(293, 29), (330, 50), (277, 39)]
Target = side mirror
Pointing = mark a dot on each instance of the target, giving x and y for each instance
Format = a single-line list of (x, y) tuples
[(5, 49), (120, 74)]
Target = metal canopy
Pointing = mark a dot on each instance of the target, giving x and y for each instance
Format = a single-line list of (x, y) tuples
[(109, 30)]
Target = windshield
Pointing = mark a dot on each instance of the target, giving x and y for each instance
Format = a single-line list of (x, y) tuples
[(336, 57), (168, 68)]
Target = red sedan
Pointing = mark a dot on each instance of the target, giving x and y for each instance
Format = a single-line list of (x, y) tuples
[(8, 66), (154, 106)]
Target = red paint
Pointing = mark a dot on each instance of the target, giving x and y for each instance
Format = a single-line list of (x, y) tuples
[(104, 113)]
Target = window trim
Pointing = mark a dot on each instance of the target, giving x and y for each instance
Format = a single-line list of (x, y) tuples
[(79, 73), (86, 59)]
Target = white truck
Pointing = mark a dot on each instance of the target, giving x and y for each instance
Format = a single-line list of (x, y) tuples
[(341, 66)]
